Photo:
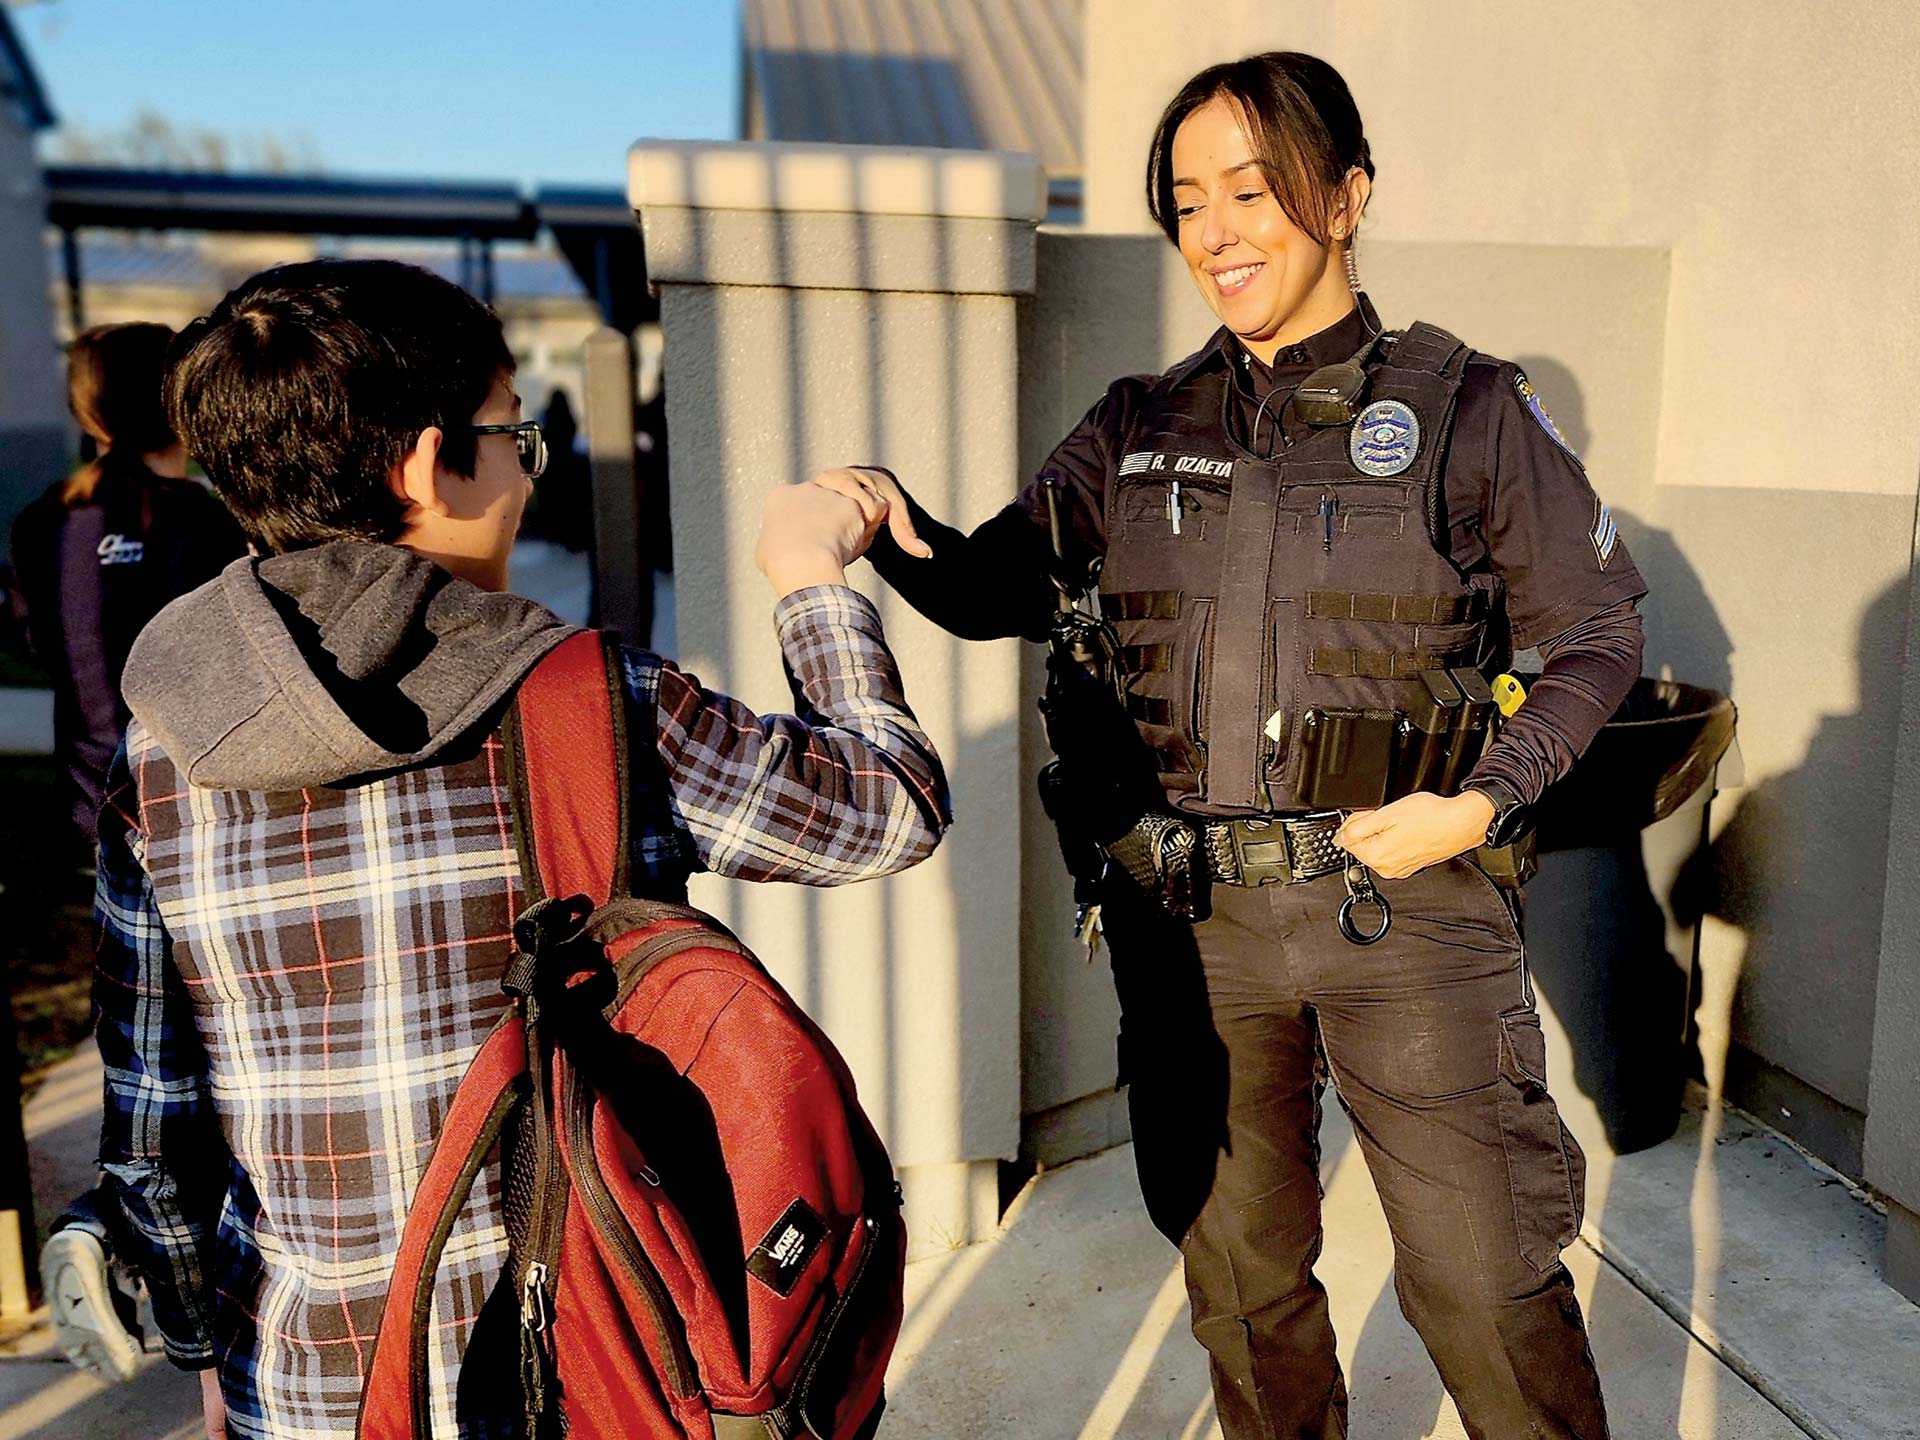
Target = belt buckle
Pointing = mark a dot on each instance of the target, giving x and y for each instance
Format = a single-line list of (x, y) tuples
[(1263, 852)]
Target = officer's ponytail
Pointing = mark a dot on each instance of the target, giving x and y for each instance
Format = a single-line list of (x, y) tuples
[(1303, 126)]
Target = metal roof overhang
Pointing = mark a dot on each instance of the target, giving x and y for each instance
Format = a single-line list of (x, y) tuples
[(594, 229), (597, 232), (160, 199)]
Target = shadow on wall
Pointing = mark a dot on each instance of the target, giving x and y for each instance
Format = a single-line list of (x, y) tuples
[(1598, 933), (1755, 874), (1800, 867)]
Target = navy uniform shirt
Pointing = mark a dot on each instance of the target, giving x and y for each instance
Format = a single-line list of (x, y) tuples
[(1518, 504)]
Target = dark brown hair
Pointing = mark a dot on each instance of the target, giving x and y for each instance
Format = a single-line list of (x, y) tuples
[(1301, 121), (309, 383), (113, 390)]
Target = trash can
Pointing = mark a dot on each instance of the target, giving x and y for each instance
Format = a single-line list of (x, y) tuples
[(1612, 964), (1656, 753)]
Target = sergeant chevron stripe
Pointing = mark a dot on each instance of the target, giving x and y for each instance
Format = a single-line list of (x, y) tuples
[(1605, 534)]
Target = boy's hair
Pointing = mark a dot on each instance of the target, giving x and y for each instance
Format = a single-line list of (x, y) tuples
[(309, 383)]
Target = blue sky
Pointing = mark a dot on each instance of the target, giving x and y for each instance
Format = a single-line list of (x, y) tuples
[(526, 92)]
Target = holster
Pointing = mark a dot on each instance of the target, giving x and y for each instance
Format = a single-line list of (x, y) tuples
[(1086, 861), (1509, 866)]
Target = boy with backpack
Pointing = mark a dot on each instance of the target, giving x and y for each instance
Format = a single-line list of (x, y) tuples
[(315, 847)]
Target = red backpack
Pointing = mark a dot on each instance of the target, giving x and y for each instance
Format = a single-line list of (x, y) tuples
[(706, 1233)]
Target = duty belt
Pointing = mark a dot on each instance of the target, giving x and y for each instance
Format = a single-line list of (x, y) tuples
[(1273, 850)]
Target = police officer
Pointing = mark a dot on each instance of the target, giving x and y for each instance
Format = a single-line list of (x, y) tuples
[(1291, 528)]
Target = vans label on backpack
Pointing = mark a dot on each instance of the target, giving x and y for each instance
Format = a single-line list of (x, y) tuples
[(781, 1257)]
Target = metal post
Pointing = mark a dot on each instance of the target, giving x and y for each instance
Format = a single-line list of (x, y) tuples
[(486, 271), (603, 276), (622, 560), (70, 262)]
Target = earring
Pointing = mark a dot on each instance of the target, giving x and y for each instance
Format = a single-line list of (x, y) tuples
[(1353, 272)]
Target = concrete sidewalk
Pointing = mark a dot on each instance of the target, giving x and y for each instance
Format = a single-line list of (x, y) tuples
[(1071, 1323), (42, 1397)]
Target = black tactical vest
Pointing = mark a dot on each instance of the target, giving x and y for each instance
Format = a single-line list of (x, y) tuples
[(1248, 592)]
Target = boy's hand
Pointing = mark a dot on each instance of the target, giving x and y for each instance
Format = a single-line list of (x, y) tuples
[(1416, 831), (809, 534), (863, 485)]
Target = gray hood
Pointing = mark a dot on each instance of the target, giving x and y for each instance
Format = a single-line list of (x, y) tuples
[(320, 665)]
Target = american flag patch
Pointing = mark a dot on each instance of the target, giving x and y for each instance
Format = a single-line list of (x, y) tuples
[(1605, 534), (1136, 462)]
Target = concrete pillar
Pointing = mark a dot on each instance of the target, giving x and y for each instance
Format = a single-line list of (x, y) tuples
[(829, 305), (1893, 1095)]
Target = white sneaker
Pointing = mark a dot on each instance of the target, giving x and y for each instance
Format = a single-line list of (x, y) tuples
[(86, 1323)]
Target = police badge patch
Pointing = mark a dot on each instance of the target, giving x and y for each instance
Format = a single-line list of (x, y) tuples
[(1385, 439), (1530, 398)]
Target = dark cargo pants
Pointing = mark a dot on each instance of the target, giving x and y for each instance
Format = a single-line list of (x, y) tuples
[(1229, 1030)]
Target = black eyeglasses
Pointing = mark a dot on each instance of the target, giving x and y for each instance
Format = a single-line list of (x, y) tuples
[(530, 444)]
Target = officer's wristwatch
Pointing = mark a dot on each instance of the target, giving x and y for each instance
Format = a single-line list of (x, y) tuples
[(1510, 815)]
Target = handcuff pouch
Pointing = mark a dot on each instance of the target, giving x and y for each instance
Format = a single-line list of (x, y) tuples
[(1164, 855)]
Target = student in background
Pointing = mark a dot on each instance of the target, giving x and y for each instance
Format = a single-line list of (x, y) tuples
[(94, 559), (98, 555)]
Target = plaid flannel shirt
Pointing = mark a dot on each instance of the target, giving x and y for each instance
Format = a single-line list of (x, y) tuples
[(291, 986)]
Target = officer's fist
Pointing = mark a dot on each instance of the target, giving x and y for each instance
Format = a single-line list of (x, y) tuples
[(1419, 830), (877, 493)]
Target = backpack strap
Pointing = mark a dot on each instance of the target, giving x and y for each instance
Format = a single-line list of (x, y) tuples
[(394, 1404), (566, 737)]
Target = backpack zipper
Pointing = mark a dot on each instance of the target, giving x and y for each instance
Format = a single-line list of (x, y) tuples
[(544, 1229), (871, 1230), (604, 1214)]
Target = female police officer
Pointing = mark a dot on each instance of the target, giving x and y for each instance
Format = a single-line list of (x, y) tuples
[(1283, 550)]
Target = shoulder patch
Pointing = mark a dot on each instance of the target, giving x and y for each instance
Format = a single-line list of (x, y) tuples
[(1605, 534), (1530, 398)]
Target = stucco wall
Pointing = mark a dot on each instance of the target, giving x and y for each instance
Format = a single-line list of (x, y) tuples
[(1765, 149), (1893, 1126)]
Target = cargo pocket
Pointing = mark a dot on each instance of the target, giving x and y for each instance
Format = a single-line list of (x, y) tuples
[(1545, 1170)]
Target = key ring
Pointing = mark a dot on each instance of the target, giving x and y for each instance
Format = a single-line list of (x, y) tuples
[(1360, 891)]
